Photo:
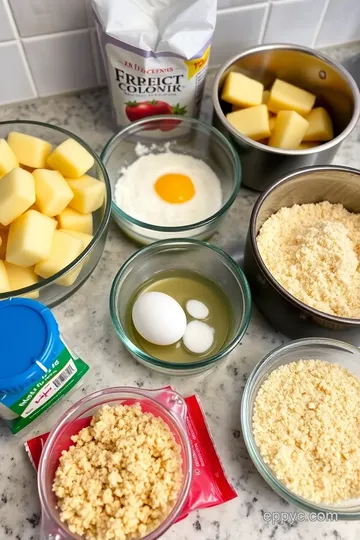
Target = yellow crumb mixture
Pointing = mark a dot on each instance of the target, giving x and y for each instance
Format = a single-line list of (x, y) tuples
[(306, 423), (313, 251), (121, 478)]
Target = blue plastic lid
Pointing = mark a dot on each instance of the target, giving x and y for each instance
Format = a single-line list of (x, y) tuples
[(29, 338)]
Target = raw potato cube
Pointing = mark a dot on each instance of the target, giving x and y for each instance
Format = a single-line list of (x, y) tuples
[(17, 194), (241, 90), (29, 150), (307, 144), (287, 97), (65, 248), (4, 280), (71, 159), (8, 160), (21, 277), (289, 130), (75, 221), (53, 193), (85, 238), (320, 126), (88, 193), (272, 122), (252, 122), (30, 239), (265, 97)]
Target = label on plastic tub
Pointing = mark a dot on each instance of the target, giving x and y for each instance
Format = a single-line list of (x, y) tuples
[(37, 368)]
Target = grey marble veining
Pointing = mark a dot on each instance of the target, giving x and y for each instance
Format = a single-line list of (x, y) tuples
[(84, 320)]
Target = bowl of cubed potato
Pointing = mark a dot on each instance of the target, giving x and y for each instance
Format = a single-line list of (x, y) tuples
[(55, 202), (284, 107)]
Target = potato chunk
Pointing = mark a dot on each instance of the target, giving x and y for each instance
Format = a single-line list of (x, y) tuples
[(53, 193), (242, 91), (30, 239), (20, 277), (287, 97), (289, 130), (71, 159), (4, 279), (320, 126), (252, 122), (75, 221), (29, 150), (65, 248), (17, 194), (88, 193), (8, 160)]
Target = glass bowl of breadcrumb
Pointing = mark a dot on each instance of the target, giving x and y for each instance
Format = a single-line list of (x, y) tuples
[(300, 417), (117, 465)]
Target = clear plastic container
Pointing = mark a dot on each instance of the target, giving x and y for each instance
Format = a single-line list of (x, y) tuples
[(164, 403)]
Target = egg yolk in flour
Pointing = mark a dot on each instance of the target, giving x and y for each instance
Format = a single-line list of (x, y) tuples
[(175, 188)]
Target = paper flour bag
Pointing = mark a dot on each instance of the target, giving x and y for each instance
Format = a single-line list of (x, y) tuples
[(156, 54)]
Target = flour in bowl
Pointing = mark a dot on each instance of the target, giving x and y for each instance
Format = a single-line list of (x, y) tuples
[(168, 189)]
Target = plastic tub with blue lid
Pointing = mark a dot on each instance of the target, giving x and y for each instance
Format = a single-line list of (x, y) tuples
[(36, 366)]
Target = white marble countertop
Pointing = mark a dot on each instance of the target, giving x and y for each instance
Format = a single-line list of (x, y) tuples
[(85, 322)]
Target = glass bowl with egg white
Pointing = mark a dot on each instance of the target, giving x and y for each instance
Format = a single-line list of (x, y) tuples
[(180, 306), (171, 177)]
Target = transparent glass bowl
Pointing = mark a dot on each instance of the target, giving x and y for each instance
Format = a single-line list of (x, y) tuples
[(189, 136), (193, 255), (50, 293), (164, 403), (326, 349)]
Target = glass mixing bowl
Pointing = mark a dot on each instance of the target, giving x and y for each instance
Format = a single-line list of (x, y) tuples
[(189, 136), (194, 255), (164, 403), (326, 349), (49, 292)]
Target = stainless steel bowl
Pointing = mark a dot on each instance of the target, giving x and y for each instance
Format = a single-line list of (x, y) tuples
[(282, 310), (334, 87)]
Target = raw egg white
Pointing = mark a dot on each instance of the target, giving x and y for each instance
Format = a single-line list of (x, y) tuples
[(198, 337), (168, 189), (159, 318)]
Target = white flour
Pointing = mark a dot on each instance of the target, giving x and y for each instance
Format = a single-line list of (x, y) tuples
[(136, 196)]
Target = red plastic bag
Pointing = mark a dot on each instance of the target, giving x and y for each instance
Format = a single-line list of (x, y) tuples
[(209, 486)]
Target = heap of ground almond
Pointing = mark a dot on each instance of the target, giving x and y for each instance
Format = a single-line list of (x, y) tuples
[(306, 423), (313, 251), (121, 478)]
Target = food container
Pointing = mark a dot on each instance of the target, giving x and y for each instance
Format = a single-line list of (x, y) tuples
[(187, 136), (309, 69), (170, 406), (283, 311), (46, 290), (194, 255), (329, 350), (38, 368)]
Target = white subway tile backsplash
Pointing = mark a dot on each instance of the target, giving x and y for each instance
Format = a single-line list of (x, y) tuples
[(99, 64), (50, 46), (224, 4), (6, 30), (36, 17), (15, 83), (294, 21), (61, 63), (341, 23), (236, 30)]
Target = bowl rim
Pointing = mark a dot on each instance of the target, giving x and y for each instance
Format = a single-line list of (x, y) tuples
[(253, 235), (143, 393), (298, 48), (246, 417), (123, 133), (178, 366), (43, 282)]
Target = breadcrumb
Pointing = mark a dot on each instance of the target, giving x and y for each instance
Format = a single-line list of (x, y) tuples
[(313, 251), (306, 424), (121, 478)]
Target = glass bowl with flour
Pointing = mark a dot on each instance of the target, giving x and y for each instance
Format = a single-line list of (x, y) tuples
[(171, 178)]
